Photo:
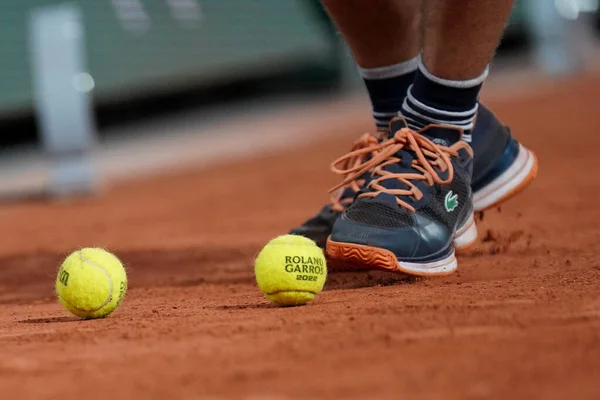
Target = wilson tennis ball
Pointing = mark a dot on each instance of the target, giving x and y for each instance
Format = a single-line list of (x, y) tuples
[(91, 283), (290, 270)]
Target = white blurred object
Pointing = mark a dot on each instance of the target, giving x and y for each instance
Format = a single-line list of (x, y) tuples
[(568, 9), (186, 11), (555, 54), (62, 102), (132, 15)]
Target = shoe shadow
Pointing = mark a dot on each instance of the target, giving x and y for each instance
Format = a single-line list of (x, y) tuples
[(338, 280)]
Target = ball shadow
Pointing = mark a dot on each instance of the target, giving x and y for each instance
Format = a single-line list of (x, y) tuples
[(246, 306), (50, 320)]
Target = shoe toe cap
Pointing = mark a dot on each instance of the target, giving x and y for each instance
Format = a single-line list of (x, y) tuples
[(426, 240)]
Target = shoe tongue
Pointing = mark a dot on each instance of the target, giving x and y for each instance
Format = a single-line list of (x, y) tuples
[(386, 198), (438, 134), (396, 124), (442, 135)]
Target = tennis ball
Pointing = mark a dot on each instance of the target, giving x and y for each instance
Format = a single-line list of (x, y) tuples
[(91, 283), (290, 270)]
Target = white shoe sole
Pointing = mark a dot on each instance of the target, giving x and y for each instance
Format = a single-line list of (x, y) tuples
[(509, 183)]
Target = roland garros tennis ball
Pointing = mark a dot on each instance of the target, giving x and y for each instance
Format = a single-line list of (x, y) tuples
[(91, 283), (290, 270)]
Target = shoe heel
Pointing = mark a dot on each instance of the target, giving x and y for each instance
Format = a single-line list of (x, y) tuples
[(466, 235), (511, 182)]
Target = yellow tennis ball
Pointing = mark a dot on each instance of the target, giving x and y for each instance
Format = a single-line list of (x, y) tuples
[(290, 270), (91, 283)]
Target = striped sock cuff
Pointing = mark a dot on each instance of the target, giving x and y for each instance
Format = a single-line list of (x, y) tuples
[(382, 119), (433, 100), (469, 83), (390, 71), (387, 88), (419, 115)]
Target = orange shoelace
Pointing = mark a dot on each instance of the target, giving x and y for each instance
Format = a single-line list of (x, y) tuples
[(428, 156), (358, 158)]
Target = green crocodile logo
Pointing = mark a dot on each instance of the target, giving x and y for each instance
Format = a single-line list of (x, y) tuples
[(451, 201)]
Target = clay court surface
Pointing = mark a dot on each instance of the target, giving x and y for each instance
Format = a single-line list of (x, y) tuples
[(521, 318)]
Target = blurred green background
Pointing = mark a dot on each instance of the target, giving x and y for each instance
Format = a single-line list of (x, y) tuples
[(148, 55), (166, 45)]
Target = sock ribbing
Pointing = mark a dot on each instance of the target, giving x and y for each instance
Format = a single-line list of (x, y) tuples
[(387, 87), (432, 100)]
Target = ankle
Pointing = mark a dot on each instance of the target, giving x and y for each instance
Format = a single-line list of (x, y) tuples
[(432, 100), (387, 87)]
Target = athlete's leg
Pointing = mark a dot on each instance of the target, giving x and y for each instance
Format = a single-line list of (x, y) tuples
[(459, 40), (460, 36), (379, 33), (384, 37), (418, 205), (387, 35)]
